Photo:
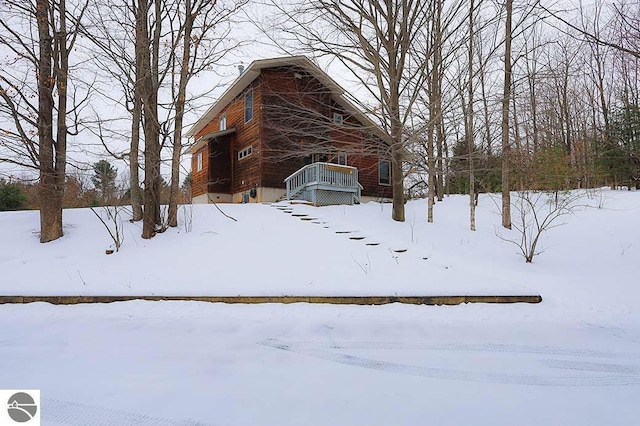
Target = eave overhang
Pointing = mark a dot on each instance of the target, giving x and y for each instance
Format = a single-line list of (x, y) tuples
[(202, 140)]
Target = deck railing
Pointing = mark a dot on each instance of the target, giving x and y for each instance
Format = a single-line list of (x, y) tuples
[(331, 175)]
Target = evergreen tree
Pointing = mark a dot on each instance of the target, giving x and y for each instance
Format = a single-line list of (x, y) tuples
[(104, 180), (620, 159), (12, 197), (188, 180)]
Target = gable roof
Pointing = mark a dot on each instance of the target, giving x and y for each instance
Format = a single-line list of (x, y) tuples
[(253, 71)]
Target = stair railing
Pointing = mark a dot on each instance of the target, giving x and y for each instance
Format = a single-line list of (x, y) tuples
[(324, 174)]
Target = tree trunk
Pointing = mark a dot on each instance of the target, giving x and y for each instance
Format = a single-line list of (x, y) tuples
[(439, 153), (134, 165), (566, 112), (506, 196), (179, 103), (469, 126), (51, 189), (532, 76), (149, 95), (431, 165), (439, 121), (397, 147), (397, 179), (61, 68), (485, 106)]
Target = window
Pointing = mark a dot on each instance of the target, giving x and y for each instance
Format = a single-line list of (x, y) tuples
[(384, 172), (338, 118), (245, 152), (248, 105), (342, 159), (316, 158), (199, 162), (223, 122)]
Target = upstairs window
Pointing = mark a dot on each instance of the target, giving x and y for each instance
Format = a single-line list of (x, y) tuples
[(248, 106), (223, 122), (316, 158), (342, 159), (338, 119), (199, 162), (384, 172)]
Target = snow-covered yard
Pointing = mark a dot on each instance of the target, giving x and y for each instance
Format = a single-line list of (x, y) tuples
[(574, 359)]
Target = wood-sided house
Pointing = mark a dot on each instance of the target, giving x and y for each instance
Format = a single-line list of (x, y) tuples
[(284, 129)]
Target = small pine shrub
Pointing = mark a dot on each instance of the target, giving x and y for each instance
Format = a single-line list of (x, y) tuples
[(12, 197)]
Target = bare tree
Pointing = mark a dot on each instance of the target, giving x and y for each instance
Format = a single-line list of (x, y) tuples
[(111, 218), (112, 30), (147, 63), (506, 97), (434, 126), (153, 48), (38, 138), (469, 124), (628, 44), (374, 41), (537, 213), (140, 61), (205, 41)]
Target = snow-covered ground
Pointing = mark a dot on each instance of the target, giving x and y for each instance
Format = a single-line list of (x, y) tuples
[(269, 252), (573, 359), (265, 252)]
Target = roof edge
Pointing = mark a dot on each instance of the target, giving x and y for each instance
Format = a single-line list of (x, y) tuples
[(253, 71)]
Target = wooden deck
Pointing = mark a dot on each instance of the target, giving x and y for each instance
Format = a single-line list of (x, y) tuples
[(324, 184)]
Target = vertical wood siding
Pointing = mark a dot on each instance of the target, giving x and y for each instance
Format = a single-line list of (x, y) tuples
[(200, 178), (292, 118)]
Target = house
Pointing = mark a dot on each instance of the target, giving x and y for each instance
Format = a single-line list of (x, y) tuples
[(284, 129)]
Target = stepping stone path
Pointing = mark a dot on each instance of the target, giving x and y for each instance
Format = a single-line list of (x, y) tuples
[(288, 208)]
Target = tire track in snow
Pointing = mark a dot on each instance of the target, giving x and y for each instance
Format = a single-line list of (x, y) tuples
[(593, 366), (584, 373), (498, 348), (75, 414)]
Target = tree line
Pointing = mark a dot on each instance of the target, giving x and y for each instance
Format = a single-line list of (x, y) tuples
[(485, 96), (101, 187)]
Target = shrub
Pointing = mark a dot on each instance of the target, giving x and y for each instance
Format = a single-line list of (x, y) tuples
[(12, 197)]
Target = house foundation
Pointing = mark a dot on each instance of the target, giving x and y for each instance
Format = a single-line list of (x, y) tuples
[(262, 195)]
